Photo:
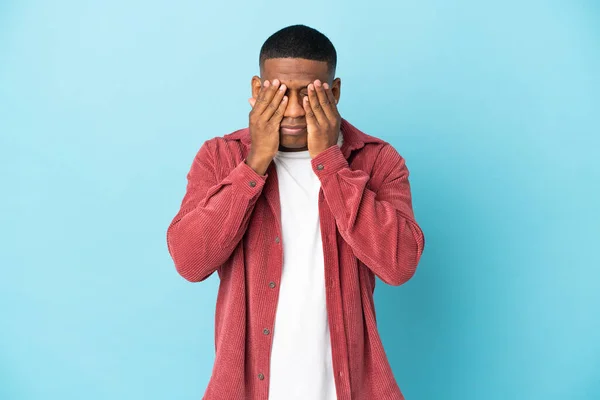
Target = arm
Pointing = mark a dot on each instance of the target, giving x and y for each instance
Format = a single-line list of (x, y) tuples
[(213, 215), (379, 227)]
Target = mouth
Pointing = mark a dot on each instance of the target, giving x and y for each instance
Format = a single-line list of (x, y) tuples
[(293, 130)]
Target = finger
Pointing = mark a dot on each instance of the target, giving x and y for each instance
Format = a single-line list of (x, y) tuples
[(273, 106), (324, 101), (313, 101), (311, 119), (265, 96), (278, 114), (260, 97), (331, 97), (252, 101)]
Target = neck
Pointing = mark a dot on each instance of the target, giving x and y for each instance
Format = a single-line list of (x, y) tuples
[(288, 149)]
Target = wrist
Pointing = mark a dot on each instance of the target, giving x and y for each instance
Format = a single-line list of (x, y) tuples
[(259, 163), (316, 152)]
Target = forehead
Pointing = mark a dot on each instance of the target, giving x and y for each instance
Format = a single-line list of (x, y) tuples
[(295, 71)]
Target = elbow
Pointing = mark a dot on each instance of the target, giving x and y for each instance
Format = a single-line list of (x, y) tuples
[(191, 274), (192, 266), (192, 269), (405, 264), (399, 275)]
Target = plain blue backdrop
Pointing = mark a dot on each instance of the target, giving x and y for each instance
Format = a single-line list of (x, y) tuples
[(495, 106)]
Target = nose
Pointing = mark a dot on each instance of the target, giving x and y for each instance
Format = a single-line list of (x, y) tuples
[(294, 108)]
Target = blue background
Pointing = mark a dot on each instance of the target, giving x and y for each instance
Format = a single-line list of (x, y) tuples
[(495, 106)]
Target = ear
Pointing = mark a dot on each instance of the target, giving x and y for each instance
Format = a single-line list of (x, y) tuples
[(336, 89), (255, 85)]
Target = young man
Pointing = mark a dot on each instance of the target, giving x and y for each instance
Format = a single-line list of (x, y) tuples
[(297, 214)]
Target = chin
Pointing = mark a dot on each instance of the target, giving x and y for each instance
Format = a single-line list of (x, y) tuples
[(293, 142)]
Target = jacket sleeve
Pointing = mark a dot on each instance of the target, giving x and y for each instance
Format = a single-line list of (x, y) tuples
[(379, 226), (213, 216)]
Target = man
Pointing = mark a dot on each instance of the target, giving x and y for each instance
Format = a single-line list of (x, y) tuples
[(297, 214)]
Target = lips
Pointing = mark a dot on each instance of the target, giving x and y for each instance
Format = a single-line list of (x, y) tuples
[(293, 129)]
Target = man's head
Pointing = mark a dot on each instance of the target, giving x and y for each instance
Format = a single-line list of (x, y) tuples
[(297, 56)]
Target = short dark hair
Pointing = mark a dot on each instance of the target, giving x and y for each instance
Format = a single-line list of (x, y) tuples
[(299, 41)]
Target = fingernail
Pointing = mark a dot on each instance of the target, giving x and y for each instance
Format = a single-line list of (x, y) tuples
[(318, 83), (266, 84), (276, 82), (311, 87), (284, 98), (282, 88), (326, 86)]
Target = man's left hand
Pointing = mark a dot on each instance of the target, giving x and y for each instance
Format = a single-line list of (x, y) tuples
[(322, 118)]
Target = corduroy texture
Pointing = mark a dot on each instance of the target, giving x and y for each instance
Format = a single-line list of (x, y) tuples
[(229, 222)]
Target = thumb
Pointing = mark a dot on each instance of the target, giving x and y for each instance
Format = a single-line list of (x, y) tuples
[(252, 101)]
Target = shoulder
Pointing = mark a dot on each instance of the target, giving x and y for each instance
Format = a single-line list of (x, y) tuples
[(373, 148), (219, 145), (221, 154), (385, 162)]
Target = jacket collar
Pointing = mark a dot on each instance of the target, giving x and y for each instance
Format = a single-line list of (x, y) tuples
[(354, 139)]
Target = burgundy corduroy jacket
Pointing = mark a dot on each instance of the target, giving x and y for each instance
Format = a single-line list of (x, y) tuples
[(229, 222)]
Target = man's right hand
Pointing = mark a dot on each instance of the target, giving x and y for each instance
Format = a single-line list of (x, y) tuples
[(265, 118)]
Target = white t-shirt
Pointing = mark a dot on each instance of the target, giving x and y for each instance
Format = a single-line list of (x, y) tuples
[(301, 362)]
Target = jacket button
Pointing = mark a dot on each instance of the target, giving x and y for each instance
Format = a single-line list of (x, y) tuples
[(266, 331), (272, 285), (261, 376), (320, 167), (277, 239), (252, 183)]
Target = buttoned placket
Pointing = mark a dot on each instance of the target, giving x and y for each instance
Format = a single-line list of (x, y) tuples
[(336, 319), (271, 288)]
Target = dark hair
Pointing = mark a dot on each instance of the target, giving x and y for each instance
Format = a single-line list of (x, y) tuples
[(299, 41)]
